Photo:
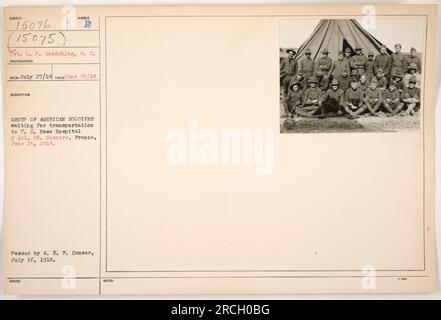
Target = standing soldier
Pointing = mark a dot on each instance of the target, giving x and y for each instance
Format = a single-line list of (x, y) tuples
[(311, 100), (347, 55), (344, 79), (332, 100), (338, 65), (413, 58), (397, 60), (322, 80), (382, 61), (370, 66), (324, 63), (307, 64), (288, 68), (357, 63)]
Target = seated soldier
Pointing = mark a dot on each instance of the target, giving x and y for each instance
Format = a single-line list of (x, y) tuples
[(294, 99), (411, 97), (398, 78), (311, 100), (412, 72), (381, 79), (373, 97), (353, 104), (332, 100), (363, 83), (392, 99)]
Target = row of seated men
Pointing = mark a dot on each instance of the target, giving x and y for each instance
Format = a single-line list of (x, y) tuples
[(352, 97)]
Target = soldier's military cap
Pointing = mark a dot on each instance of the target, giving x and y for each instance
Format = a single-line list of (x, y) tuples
[(413, 49), (290, 50), (379, 71), (357, 47), (375, 81), (308, 51), (398, 74), (334, 82), (397, 45), (325, 51), (383, 46), (294, 83), (312, 79), (370, 53), (354, 81), (348, 50), (393, 83)]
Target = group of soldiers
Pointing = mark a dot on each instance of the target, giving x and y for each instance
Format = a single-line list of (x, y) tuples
[(351, 85)]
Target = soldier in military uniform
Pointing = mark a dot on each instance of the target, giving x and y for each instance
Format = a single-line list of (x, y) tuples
[(413, 58), (392, 99), (347, 56), (412, 72), (344, 79), (323, 80), (382, 61), (311, 100), (332, 101), (363, 83), (288, 68), (357, 63), (324, 63), (338, 65), (300, 79), (373, 97), (381, 79), (307, 64), (398, 78), (411, 97), (294, 98), (354, 105), (370, 66), (397, 60)]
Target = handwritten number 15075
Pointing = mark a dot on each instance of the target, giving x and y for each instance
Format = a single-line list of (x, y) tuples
[(43, 39)]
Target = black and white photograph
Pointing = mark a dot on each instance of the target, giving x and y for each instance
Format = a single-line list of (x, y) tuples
[(351, 75)]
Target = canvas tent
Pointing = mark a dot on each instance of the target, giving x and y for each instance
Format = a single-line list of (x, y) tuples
[(337, 35)]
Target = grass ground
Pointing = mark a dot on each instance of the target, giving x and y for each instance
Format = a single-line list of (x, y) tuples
[(363, 124)]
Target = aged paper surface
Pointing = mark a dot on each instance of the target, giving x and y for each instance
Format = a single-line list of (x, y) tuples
[(147, 152)]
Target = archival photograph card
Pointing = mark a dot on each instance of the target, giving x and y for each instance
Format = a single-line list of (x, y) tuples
[(219, 149)]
